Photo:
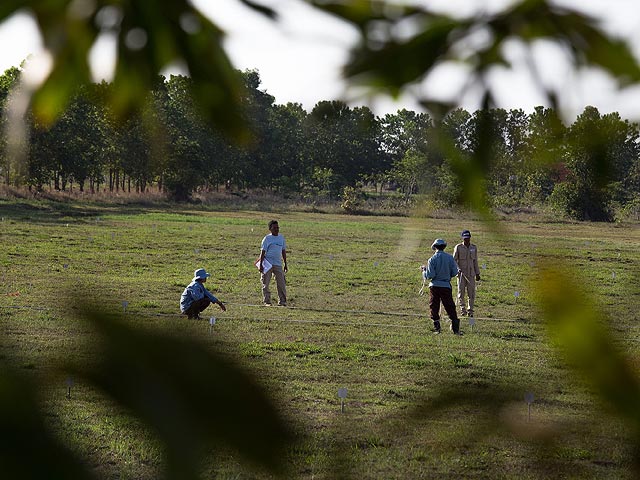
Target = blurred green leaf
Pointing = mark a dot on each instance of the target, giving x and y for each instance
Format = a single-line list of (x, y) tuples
[(394, 64), (191, 397), (578, 328), (535, 19), (149, 39), (177, 32), (470, 174), (361, 12), (388, 61)]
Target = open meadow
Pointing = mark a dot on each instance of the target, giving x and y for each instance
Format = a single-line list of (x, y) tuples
[(417, 405)]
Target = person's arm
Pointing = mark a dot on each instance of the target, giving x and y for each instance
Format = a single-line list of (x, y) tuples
[(475, 265), (456, 258), (284, 260), (262, 254), (221, 305), (430, 273), (453, 268), (214, 299)]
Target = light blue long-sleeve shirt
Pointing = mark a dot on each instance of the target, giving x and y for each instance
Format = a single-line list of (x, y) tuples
[(441, 269), (195, 291)]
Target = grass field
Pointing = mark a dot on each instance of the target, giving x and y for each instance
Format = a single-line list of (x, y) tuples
[(418, 405)]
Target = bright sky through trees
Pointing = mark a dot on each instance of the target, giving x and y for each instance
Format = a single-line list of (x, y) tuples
[(300, 57)]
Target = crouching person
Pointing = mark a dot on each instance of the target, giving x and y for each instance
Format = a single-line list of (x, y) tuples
[(196, 297)]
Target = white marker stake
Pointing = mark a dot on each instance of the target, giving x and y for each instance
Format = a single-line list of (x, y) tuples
[(342, 394), (212, 322), (516, 294), (613, 275), (528, 397), (375, 264), (196, 251), (125, 304), (484, 266), (472, 322)]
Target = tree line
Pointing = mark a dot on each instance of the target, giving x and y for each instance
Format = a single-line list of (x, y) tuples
[(587, 169)]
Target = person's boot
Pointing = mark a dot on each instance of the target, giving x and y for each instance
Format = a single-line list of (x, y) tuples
[(436, 327), (455, 326)]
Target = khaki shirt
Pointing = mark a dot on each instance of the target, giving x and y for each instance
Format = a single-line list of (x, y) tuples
[(467, 259)]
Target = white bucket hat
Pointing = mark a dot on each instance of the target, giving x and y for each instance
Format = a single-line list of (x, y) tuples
[(200, 274)]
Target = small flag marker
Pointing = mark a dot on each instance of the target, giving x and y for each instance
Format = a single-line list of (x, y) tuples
[(342, 394), (528, 397)]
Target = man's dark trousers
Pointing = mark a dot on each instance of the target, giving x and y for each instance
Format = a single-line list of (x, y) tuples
[(444, 295)]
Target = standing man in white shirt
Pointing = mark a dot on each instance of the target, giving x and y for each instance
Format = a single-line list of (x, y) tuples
[(466, 256), (274, 250)]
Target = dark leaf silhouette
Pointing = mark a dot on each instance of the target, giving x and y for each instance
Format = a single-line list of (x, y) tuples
[(27, 449), (191, 397)]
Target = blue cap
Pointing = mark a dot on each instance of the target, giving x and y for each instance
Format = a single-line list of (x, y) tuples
[(200, 274), (438, 242), (465, 234)]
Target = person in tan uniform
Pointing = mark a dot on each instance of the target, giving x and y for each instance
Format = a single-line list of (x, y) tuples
[(466, 256)]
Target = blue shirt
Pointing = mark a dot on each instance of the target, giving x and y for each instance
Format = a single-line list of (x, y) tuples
[(441, 269), (273, 247), (195, 291)]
